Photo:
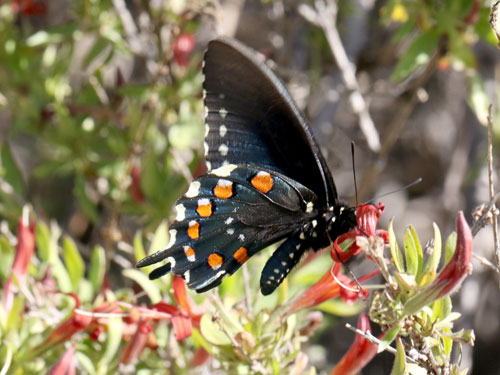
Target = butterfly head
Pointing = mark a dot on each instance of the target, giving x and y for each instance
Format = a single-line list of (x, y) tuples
[(341, 219)]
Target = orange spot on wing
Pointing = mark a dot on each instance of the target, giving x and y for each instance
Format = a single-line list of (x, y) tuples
[(241, 255), (215, 261), (263, 182), (224, 190), (204, 208), (190, 253), (194, 230)]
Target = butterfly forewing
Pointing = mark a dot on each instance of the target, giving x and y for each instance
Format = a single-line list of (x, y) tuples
[(251, 118)]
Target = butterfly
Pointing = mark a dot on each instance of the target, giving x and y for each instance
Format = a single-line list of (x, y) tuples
[(267, 180)]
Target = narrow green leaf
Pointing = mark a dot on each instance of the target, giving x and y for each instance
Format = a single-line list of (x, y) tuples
[(451, 244), (160, 239), (447, 342), (43, 241), (413, 252), (97, 268), (337, 307), (397, 257), (113, 341), (389, 337), (139, 251), (436, 253), (418, 54), (149, 286), (11, 171), (74, 262), (399, 367)]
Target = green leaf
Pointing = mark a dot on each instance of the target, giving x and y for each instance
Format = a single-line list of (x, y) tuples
[(478, 98), (399, 367), (212, 332), (97, 268), (431, 262), (451, 244), (447, 342), (43, 241), (441, 309), (413, 252), (74, 262), (389, 337), (113, 341), (160, 239), (11, 171), (139, 251), (418, 54), (149, 286), (397, 257)]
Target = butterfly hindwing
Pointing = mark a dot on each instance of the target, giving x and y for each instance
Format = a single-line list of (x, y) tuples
[(226, 216)]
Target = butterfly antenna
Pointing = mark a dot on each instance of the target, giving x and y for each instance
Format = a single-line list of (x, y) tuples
[(411, 184), (354, 172)]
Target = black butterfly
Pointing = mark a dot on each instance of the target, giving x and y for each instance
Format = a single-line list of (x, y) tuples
[(266, 180)]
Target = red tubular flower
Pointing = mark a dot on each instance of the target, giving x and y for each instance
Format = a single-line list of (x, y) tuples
[(66, 364), (136, 346), (359, 354), (75, 323), (200, 357), (367, 216), (182, 47), (183, 317), (451, 276), (328, 287), (135, 187), (29, 7), (24, 251)]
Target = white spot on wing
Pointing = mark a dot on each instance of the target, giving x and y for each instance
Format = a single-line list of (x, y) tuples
[(209, 165), (302, 236), (223, 113), (194, 189), (173, 235), (222, 130), (181, 212), (276, 270), (284, 263), (224, 183), (223, 149), (228, 221), (205, 146), (309, 207), (314, 223), (224, 171), (230, 231), (187, 276), (203, 202), (241, 237), (207, 130), (171, 260)]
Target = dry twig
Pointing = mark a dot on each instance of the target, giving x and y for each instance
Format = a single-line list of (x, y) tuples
[(325, 16)]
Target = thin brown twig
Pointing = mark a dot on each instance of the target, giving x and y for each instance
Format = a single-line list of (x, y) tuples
[(491, 186), (325, 16)]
